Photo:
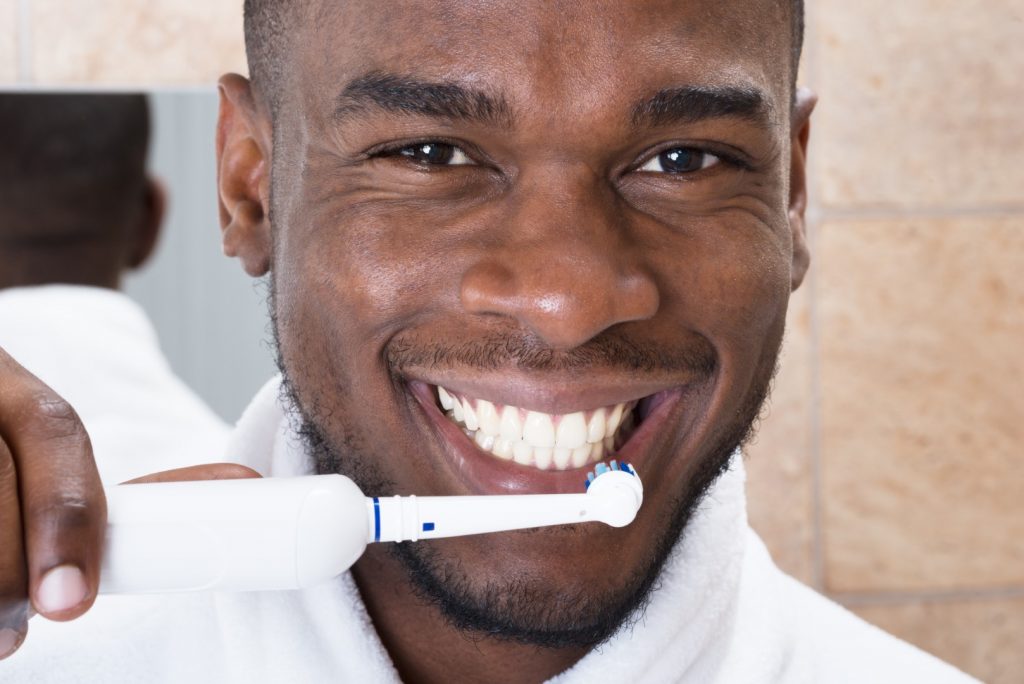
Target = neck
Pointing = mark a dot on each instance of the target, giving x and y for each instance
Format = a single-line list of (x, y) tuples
[(426, 648), (85, 265)]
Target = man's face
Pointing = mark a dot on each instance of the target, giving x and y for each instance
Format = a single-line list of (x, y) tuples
[(560, 213)]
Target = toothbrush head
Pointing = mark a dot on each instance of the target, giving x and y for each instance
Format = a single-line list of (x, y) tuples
[(617, 488), (612, 465)]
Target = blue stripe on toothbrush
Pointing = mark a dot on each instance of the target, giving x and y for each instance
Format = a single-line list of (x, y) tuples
[(376, 519), (428, 527)]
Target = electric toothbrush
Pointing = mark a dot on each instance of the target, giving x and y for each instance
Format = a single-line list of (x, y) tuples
[(292, 533)]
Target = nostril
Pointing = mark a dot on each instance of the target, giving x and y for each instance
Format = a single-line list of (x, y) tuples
[(565, 300)]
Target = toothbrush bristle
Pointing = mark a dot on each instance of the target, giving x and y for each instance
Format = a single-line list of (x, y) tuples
[(602, 468)]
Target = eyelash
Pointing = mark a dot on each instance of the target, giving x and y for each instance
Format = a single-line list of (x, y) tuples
[(727, 158), (396, 150)]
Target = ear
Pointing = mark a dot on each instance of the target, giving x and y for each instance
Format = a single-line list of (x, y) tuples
[(243, 176), (154, 206), (801, 131)]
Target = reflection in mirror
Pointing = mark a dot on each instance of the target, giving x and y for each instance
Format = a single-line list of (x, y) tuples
[(81, 203)]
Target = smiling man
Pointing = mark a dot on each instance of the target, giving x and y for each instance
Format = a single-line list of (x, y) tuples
[(505, 241)]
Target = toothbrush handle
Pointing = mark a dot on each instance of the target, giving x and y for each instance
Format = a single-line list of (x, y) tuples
[(234, 535), (412, 518), (613, 498)]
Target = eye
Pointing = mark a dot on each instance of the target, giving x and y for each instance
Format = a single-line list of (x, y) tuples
[(431, 154), (680, 160)]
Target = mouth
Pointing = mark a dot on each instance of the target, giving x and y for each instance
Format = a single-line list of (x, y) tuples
[(497, 445)]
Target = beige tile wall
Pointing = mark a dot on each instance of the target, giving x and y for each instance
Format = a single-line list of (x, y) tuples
[(915, 414), (980, 635), (127, 42), (921, 102), (889, 468)]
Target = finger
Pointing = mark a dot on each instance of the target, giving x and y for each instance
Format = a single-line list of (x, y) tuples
[(13, 573), (208, 471), (63, 509)]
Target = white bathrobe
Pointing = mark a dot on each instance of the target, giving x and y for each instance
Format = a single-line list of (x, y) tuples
[(723, 613), (97, 349)]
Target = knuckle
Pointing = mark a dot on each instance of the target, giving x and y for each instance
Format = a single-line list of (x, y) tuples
[(45, 418), (57, 416), (64, 513)]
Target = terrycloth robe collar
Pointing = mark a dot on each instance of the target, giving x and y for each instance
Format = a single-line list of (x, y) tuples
[(684, 632)]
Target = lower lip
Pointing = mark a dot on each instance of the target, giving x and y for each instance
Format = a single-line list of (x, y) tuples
[(481, 473)]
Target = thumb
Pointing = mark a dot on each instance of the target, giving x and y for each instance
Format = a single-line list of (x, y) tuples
[(207, 471)]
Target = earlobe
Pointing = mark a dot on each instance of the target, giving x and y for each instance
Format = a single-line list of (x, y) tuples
[(243, 177), (801, 129)]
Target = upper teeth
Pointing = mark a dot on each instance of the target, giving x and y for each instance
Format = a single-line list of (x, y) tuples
[(534, 438)]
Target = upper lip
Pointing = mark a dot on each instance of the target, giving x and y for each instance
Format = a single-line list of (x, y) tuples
[(555, 394)]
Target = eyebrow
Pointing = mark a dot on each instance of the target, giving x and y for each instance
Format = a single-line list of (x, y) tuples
[(690, 104), (410, 95)]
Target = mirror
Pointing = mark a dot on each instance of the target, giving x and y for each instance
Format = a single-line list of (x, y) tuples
[(209, 316)]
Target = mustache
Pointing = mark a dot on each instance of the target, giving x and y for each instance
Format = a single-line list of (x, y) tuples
[(609, 351)]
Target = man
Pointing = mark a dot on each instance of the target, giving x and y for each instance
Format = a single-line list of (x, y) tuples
[(563, 208), (78, 211)]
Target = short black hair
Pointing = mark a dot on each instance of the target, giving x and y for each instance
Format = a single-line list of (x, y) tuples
[(268, 24), (72, 166)]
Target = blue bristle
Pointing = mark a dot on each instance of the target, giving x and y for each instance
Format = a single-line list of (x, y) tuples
[(614, 465), (601, 469)]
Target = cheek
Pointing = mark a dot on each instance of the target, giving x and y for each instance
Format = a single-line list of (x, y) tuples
[(730, 283)]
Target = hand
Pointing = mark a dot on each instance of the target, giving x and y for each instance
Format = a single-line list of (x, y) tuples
[(53, 513)]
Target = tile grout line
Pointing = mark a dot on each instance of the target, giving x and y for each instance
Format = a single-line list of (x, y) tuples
[(888, 598), (895, 213), (814, 224), (23, 38), (817, 504)]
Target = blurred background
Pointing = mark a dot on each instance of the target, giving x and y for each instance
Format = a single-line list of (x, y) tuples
[(210, 317), (889, 470)]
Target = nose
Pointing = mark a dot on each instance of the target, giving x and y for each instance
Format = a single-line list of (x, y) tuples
[(565, 267)]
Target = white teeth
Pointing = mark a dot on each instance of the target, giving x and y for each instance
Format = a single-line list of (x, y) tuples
[(595, 428), (538, 430), (446, 399), (470, 415), (502, 449), (488, 417), (511, 425), (484, 440), (542, 457), (572, 431), (561, 457), (614, 419), (581, 455), (536, 441), (522, 453)]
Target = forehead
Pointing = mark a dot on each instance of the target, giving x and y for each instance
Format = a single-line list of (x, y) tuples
[(564, 58)]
